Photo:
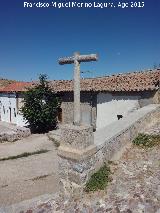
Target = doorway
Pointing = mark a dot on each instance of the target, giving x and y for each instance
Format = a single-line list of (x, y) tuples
[(60, 115), (10, 115)]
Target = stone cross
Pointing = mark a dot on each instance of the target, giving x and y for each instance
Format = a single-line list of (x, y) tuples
[(76, 60)]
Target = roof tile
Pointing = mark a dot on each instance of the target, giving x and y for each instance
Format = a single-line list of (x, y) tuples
[(137, 81), (16, 87)]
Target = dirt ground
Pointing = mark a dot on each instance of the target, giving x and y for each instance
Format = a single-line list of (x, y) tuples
[(25, 178)]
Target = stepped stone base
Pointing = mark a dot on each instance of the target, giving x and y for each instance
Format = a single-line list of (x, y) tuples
[(74, 164)]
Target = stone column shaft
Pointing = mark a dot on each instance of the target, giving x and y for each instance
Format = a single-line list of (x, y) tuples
[(77, 112)]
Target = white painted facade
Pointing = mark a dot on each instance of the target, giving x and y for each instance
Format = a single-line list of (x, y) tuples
[(109, 106), (9, 109)]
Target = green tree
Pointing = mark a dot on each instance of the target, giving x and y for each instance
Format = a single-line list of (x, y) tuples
[(40, 106)]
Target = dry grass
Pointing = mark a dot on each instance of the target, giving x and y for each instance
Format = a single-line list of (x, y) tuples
[(24, 155)]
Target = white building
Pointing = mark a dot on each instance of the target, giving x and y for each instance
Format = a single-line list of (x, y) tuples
[(104, 100), (11, 101), (111, 107), (107, 99)]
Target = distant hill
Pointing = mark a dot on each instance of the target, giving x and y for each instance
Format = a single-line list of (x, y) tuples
[(5, 82)]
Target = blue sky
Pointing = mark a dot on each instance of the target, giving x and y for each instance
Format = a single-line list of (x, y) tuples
[(32, 39)]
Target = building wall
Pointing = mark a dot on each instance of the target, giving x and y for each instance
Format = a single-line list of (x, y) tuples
[(20, 121), (149, 97), (9, 109), (96, 109), (88, 108), (102, 109), (110, 105)]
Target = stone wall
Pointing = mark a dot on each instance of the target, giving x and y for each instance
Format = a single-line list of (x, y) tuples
[(149, 97), (88, 108), (14, 133), (77, 165)]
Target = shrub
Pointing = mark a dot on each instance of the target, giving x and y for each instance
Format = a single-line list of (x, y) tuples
[(147, 141), (40, 107), (99, 180)]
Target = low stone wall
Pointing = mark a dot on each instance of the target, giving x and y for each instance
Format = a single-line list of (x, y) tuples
[(14, 134), (76, 166), (117, 143)]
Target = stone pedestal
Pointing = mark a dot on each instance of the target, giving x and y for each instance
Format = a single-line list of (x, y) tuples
[(77, 137), (75, 162)]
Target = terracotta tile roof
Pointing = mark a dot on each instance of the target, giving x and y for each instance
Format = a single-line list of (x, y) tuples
[(135, 81), (5, 82), (16, 87)]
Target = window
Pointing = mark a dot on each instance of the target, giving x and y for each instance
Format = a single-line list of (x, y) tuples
[(4, 110), (15, 112)]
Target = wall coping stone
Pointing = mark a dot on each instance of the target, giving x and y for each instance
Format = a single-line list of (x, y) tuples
[(76, 154), (106, 134)]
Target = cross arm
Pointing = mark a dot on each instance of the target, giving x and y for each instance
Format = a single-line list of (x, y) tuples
[(66, 60), (88, 58), (80, 58)]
